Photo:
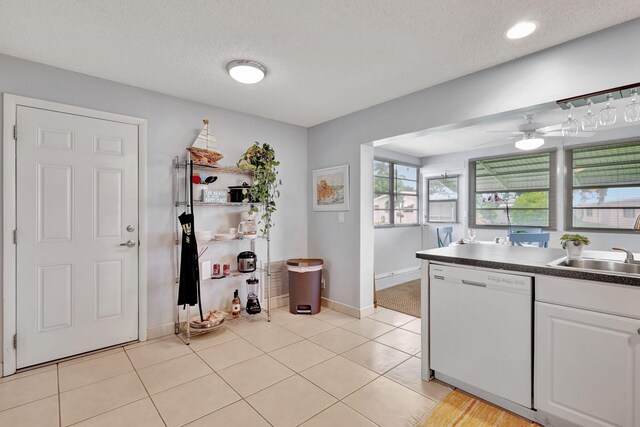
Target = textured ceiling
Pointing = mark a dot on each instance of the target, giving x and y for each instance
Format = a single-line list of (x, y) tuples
[(483, 135), (326, 58)]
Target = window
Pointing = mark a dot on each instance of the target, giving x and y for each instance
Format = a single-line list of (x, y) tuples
[(395, 198), (603, 186), (442, 199), (524, 186)]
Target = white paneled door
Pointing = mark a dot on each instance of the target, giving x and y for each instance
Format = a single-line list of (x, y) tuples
[(77, 234)]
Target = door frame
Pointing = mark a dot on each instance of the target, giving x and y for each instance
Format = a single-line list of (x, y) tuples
[(9, 249)]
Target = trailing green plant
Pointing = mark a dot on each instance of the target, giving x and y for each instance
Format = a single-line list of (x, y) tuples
[(261, 161), (576, 239)]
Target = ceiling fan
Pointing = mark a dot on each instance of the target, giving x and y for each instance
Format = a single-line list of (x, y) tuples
[(530, 135)]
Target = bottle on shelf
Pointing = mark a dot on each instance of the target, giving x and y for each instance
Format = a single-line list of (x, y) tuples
[(235, 305)]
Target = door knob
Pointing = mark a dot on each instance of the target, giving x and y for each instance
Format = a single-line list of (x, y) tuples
[(128, 243), (131, 228)]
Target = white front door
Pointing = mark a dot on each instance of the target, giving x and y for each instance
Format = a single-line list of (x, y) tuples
[(77, 204)]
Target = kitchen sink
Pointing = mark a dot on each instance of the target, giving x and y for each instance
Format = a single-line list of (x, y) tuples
[(601, 265)]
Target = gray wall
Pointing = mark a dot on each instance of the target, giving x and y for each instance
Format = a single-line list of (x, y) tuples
[(172, 125), (594, 62), (395, 247)]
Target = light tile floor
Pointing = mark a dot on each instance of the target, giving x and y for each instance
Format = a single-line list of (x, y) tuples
[(327, 370)]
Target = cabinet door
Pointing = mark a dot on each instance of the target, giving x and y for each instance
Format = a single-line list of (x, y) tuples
[(587, 366)]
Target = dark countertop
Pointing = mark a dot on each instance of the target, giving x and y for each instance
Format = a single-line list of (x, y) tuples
[(519, 259)]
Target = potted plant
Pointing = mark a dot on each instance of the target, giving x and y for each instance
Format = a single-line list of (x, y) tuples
[(261, 161), (574, 243)]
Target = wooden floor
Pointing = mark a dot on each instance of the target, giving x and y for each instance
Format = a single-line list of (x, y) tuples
[(462, 410)]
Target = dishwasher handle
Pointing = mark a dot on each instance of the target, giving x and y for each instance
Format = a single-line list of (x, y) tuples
[(472, 283)]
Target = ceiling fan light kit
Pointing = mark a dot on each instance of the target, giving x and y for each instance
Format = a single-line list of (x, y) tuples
[(246, 71), (529, 142)]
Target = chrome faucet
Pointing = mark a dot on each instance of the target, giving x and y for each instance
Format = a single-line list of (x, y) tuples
[(629, 259)]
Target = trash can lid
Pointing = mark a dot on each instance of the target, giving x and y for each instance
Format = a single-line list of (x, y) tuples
[(305, 262)]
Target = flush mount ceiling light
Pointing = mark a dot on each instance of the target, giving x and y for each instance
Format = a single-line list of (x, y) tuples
[(246, 71), (521, 30), (529, 142)]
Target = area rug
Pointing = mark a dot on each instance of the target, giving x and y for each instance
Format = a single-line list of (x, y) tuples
[(459, 409), (404, 298)]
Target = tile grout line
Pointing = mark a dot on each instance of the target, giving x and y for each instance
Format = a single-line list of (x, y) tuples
[(236, 391), (109, 410), (146, 390), (106, 412), (27, 403)]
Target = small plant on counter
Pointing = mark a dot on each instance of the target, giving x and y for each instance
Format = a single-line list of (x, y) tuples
[(574, 243), (261, 161), (575, 239)]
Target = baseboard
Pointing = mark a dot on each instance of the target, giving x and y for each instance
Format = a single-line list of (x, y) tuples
[(169, 328), (161, 331), (367, 311), (393, 278), (279, 301), (347, 309)]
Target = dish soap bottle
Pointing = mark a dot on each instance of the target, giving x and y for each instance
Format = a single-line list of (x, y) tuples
[(235, 305)]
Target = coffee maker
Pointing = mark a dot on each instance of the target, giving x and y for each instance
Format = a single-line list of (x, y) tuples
[(248, 227)]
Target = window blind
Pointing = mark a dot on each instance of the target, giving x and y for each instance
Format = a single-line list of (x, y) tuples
[(603, 186), (524, 184)]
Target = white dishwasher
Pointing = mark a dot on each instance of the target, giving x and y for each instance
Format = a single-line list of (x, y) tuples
[(480, 330)]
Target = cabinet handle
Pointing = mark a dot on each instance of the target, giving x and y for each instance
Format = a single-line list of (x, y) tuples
[(469, 282)]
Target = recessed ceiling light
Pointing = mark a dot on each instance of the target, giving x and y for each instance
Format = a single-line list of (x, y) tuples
[(245, 71), (529, 143), (520, 30)]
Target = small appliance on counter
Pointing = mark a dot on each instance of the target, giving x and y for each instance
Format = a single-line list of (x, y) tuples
[(253, 303), (236, 193), (248, 227), (247, 262)]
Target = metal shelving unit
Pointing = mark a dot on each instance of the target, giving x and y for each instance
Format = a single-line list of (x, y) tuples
[(187, 167)]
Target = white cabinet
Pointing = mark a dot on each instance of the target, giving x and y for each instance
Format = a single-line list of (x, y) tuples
[(587, 366)]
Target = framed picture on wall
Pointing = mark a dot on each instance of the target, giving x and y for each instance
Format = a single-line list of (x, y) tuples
[(331, 189)]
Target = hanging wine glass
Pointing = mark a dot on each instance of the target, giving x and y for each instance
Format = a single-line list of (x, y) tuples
[(569, 126), (607, 116), (589, 120), (632, 110)]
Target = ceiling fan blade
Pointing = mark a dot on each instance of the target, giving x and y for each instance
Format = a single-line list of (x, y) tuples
[(550, 128), (496, 140), (579, 135), (506, 131)]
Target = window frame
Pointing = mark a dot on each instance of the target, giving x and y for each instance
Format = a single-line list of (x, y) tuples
[(552, 189), (456, 200), (568, 187), (392, 193)]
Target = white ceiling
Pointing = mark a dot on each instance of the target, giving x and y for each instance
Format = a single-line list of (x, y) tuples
[(481, 135), (326, 58)]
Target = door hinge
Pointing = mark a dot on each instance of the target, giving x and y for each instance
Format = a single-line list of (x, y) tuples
[(15, 237), (15, 341), (15, 133)]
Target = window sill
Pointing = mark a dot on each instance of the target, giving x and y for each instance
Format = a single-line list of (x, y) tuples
[(396, 226)]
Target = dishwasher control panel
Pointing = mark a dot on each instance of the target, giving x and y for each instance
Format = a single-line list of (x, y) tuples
[(483, 278)]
